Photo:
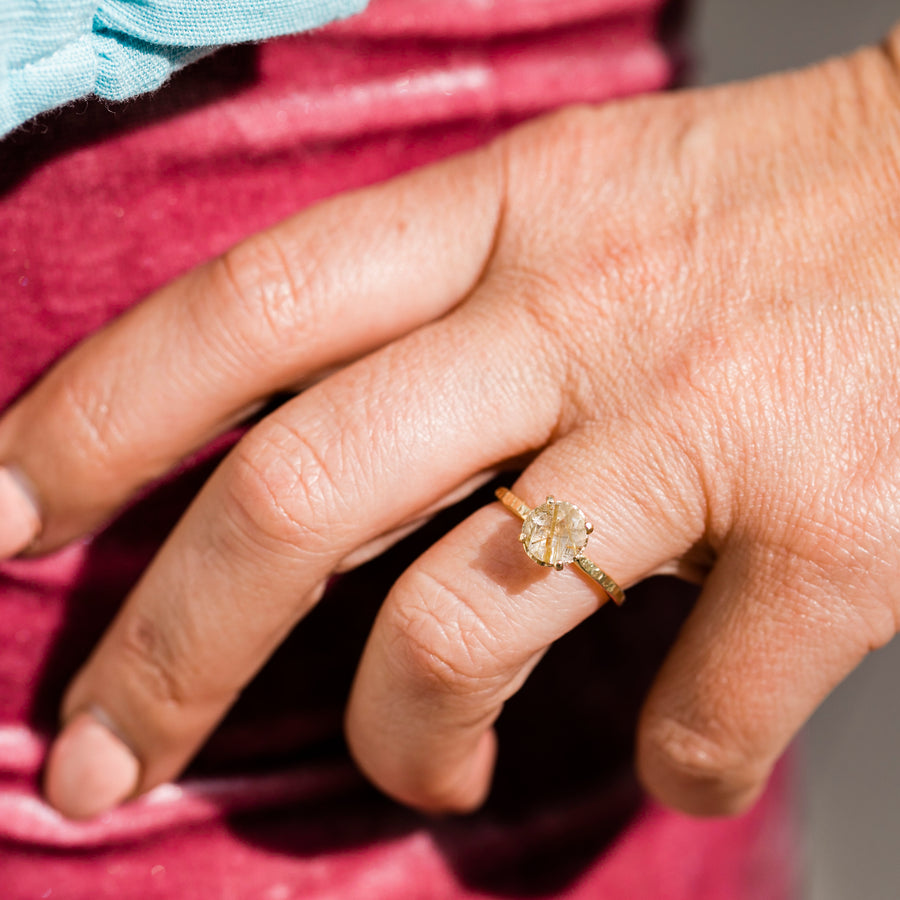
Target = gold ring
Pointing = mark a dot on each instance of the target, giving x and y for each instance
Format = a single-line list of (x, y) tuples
[(555, 534)]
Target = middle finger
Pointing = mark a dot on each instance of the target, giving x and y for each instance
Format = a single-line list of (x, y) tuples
[(351, 458)]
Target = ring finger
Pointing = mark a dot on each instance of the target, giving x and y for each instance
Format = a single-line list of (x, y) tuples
[(465, 625)]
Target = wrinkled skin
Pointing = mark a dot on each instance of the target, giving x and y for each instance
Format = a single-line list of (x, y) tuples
[(683, 311)]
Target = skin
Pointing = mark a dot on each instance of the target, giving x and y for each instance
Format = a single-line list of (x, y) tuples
[(682, 310)]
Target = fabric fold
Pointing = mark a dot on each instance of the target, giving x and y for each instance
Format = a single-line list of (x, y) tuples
[(57, 51)]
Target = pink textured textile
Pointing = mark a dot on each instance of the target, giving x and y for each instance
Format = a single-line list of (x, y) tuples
[(97, 207)]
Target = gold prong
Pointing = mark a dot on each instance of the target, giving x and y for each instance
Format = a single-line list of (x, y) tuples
[(519, 508)]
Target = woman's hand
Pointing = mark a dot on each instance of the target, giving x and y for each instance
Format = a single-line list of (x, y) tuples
[(685, 310)]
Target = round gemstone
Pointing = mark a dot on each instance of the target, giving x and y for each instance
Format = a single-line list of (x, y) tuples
[(554, 533)]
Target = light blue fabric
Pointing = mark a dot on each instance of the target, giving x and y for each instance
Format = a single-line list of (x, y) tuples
[(54, 51)]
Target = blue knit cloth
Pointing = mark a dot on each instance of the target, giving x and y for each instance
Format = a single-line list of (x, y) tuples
[(53, 51)]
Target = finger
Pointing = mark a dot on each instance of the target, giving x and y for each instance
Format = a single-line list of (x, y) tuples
[(384, 542), (465, 625), (321, 288), (326, 473), (771, 635)]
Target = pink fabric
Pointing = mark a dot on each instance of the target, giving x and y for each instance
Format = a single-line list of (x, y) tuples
[(98, 207)]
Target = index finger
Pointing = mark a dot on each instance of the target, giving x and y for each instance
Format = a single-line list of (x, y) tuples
[(321, 288)]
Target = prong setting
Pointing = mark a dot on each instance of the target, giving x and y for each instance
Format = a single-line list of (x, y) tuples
[(555, 534)]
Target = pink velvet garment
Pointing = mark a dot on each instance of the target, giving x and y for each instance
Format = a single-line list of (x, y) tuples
[(98, 207)]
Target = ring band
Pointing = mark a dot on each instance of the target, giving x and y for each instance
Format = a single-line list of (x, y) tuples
[(555, 534)]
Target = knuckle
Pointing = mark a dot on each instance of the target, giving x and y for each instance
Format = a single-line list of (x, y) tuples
[(442, 641), (561, 138), (87, 408), (274, 293), (153, 664), (693, 770), (280, 494)]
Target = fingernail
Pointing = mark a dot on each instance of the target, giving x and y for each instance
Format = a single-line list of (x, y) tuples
[(19, 520), (89, 770)]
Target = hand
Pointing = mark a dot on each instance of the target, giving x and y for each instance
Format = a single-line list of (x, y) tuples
[(683, 309)]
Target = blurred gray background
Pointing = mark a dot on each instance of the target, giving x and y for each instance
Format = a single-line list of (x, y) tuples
[(850, 798)]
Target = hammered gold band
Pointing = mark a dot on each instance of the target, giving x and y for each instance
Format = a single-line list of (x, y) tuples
[(546, 537)]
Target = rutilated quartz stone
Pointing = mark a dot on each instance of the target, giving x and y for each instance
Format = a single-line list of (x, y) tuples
[(554, 533)]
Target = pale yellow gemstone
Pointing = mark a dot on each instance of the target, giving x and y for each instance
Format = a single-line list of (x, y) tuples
[(554, 533)]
